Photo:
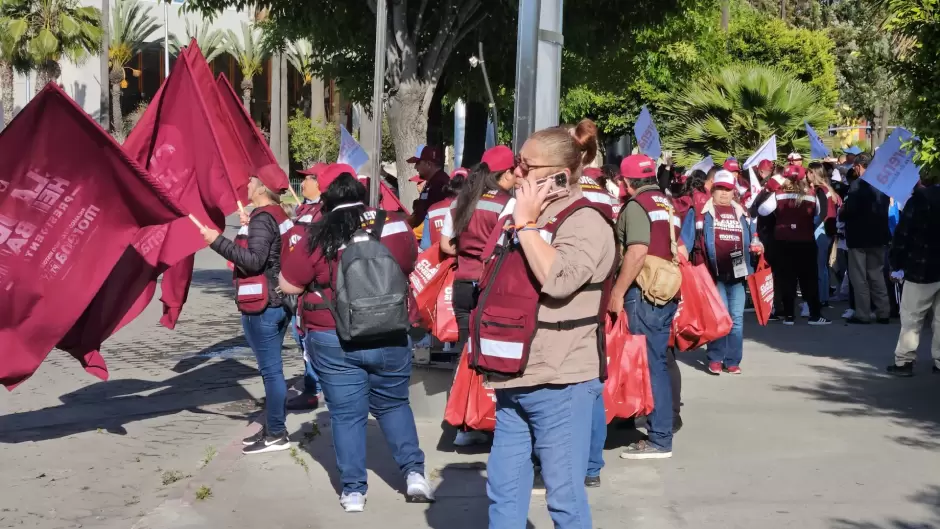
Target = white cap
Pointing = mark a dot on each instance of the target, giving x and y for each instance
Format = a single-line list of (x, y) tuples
[(794, 156), (725, 180)]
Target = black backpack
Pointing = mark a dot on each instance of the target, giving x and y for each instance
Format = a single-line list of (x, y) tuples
[(371, 292)]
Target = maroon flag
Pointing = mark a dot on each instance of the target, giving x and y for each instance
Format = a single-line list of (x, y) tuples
[(71, 202), (196, 159), (263, 163)]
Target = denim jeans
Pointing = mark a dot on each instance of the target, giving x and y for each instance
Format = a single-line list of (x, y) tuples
[(555, 421), (822, 262), (311, 382), (655, 324), (730, 349), (598, 437), (357, 382), (265, 335)]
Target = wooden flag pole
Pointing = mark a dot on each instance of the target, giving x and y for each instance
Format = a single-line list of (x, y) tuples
[(196, 222), (293, 194), (241, 207)]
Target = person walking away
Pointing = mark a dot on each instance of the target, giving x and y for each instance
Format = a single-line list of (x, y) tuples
[(795, 205), (432, 183), (867, 234), (915, 258), (434, 221), (825, 230), (468, 225), (362, 354), (727, 241), (647, 230), (765, 232), (306, 213), (569, 252), (256, 254)]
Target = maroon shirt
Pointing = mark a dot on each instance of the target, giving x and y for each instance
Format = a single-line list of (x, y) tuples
[(300, 268), (434, 191), (729, 238)]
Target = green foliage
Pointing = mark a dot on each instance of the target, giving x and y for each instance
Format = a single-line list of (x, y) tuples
[(36, 34), (211, 41), (733, 111), (312, 141), (300, 55), (247, 50), (131, 26)]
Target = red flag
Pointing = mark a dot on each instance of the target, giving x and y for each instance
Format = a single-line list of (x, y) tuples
[(263, 162), (192, 156), (70, 204)]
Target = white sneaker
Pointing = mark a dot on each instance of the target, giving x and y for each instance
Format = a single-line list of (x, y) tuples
[(470, 438), (848, 313), (353, 502), (804, 310), (419, 490)]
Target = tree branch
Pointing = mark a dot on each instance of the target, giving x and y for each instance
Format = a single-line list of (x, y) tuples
[(407, 49), (448, 16), (419, 21), (442, 58)]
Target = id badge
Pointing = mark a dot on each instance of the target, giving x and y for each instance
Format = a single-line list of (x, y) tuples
[(738, 265)]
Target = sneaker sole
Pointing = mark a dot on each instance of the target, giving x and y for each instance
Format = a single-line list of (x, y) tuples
[(817, 324), (716, 373), (269, 448), (902, 375), (355, 508), (789, 323), (641, 457), (419, 497)]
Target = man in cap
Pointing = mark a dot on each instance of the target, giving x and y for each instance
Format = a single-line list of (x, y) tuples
[(643, 230), (432, 182), (794, 158), (308, 210), (742, 185)]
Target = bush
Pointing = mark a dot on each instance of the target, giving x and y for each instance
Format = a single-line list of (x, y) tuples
[(312, 141)]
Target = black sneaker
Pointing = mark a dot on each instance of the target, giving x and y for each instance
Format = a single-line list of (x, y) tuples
[(819, 321), (303, 402), (935, 370), (270, 443), (774, 317), (252, 439), (906, 370), (789, 320), (855, 321), (676, 424), (592, 482)]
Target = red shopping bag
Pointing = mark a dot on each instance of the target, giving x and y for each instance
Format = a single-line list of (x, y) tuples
[(426, 267), (636, 392), (445, 321), (761, 284), (429, 283), (470, 402), (616, 334), (701, 316)]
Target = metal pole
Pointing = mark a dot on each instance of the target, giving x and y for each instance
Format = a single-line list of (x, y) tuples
[(378, 92), (166, 38), (494, 115), (548, 66), (526, 64)]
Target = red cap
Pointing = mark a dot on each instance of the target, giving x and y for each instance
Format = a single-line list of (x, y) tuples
[(462, 171), (332, 172), (794, 172), (428, 154), (592, 172), (732, 165), (764, 165), (637, 166), (314, 169), (724, 179), (416, 178), (498, 159)]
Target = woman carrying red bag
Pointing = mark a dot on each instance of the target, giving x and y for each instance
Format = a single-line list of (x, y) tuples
[(726, 238)]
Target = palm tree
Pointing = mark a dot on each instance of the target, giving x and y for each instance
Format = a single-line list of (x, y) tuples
[(249, 55), (42, 32), (6, 70), (131, 26), (211, 41), (300, 55), (732, 111)]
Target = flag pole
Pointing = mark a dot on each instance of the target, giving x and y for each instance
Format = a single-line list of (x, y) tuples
[(292, 192), (378, 91)]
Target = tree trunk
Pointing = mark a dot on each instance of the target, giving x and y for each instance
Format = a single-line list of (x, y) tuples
[(118, 112), (45, 74), (408, 122), (317, 111), (104, 71), (436, 118), (247, 86), (6, 91), (725, 14)]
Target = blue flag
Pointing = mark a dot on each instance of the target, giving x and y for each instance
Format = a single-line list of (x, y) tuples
[(893, 171), (647, 137), (818, 149), (350, 152)]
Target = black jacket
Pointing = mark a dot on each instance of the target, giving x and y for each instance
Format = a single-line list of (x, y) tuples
[(916, 245), (263, 253), (865, 214)]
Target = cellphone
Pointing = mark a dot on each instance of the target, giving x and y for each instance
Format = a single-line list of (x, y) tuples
[(558, 179)]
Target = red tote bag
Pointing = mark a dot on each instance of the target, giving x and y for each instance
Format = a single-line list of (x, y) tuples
[(617, 334), (426, 297), (455, 413), (761, 285), (445, 321), (701, 316), (470, 403), (636, 392)]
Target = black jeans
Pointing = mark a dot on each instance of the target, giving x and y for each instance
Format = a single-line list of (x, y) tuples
[(796, 263), (465, 300), (771, 255), (675, 379)]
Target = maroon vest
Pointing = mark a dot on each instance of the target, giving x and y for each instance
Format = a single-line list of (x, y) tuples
[(471, 243), (794, 216), (308, 213), (505, 321), (598, 195), (657, 206), (251, 292)]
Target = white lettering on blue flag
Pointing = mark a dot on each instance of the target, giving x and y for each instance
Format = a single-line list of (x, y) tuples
[(817, 146), (647, 137), (893, 171), (350, 152)]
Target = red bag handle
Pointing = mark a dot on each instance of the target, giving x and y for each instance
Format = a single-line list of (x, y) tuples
[(762, 263)]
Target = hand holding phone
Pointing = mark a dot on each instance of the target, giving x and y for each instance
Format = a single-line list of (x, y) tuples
[(558, 185)]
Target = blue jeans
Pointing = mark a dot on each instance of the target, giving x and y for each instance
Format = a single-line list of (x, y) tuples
[(555, 420), (359, 381), (311, 382), (730, 349), (822, 262), (598, 437), (265, 335), (655, 324)]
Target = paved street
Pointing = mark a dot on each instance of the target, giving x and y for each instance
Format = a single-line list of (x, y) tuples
[(813, 435)]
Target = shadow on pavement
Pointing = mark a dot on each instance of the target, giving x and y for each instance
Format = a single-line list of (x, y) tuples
[(112, 404), (461, 498), (929, 498)]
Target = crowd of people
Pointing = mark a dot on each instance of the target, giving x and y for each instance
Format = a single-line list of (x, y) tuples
[(547, 247)]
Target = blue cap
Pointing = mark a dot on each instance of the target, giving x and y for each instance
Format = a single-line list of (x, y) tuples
[(853, 150)]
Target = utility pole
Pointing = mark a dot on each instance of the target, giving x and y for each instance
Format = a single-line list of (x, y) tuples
[(378, 100)]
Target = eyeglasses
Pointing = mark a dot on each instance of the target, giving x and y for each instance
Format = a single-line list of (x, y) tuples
[(522, 164)]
